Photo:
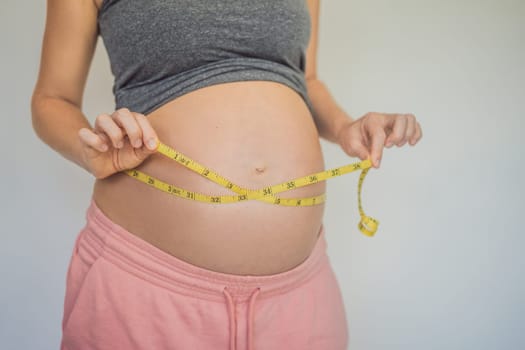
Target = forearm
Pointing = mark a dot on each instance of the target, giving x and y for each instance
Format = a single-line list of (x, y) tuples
[(328, 115), (57, 122)]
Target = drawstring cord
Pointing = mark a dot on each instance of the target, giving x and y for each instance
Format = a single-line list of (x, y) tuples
[(250, 318), (233, 319)]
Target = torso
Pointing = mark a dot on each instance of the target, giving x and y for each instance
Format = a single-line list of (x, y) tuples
[(254, 133)]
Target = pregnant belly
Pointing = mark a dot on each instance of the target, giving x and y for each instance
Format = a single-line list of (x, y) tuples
[(254, 133)]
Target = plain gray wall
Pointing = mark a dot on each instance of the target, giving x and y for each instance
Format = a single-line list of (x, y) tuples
[(443, 271)]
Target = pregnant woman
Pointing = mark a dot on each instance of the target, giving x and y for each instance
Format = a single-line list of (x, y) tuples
[(232, 85)]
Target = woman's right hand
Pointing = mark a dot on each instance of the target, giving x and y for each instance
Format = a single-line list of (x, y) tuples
[(118, 142)]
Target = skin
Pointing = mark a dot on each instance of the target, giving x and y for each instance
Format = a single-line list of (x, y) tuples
[(279, 138)]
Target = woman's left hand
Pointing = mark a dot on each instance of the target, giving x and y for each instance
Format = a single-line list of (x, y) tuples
[(366, 136)]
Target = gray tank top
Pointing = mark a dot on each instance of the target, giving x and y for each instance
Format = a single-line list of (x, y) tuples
[(162, 49)]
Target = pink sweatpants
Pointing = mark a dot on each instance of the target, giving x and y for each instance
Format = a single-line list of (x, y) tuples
[(124, 293)]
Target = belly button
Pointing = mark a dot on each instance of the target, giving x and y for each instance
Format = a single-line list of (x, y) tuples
[(260, 170)]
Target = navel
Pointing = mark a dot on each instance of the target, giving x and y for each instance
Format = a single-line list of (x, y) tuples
[(260, 169)]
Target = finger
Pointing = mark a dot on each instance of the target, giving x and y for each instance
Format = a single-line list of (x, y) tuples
[(371, 121), (104, 137), (385, 120), (411, 127), (105, 123), (377, 136), (397, 136), (418, 134), (92, 140), (126, 120), (149, 135)]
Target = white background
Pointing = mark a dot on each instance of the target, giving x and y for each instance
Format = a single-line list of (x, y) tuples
[(444, 271)]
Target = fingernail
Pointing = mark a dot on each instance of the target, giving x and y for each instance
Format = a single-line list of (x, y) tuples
[(120, 144), (152, 143), (378, 161), (138, 143), (104, 147), (389, 144)]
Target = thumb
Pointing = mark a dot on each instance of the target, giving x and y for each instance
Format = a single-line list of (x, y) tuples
[(378, 140), (356, 148), (353, 142)]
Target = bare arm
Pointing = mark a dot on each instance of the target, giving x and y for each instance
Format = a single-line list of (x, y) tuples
[(363, 137), (68, 46), (328, 115)]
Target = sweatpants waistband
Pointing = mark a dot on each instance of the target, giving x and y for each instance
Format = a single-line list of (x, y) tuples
[(103, 237)]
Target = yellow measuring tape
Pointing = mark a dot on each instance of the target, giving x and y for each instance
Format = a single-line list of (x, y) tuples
[(367, 225)]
